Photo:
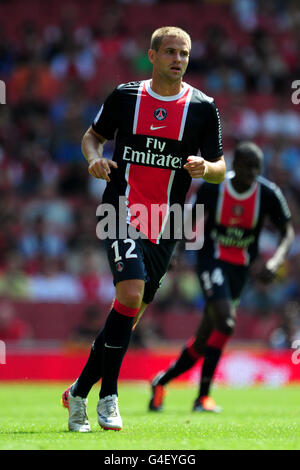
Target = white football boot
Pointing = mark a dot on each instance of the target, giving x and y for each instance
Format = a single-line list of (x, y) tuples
[(108, 413), (78, 419)]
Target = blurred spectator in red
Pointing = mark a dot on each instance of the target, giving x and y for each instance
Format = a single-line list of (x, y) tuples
[(110, 35), (90, 264), (90, 274), (12, 328)]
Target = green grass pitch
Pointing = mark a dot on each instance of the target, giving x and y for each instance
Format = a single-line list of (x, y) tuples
[(32, 418)]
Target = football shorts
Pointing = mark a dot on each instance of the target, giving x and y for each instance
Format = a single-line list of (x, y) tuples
[(221, 280), (139, 259)]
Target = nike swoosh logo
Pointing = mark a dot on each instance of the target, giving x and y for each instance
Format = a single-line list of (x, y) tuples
[(113, 347), (152, 128)]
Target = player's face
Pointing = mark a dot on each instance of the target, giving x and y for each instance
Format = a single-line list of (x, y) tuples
[(171, 59), (247, 169)]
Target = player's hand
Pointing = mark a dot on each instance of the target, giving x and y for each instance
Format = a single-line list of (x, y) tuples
[(268, 273), (195, 166), (100, 168)]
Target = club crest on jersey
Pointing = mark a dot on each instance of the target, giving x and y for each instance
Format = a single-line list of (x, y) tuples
[(160, 114), (237, 210)]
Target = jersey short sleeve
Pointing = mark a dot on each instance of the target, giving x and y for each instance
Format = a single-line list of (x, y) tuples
[(106, 121), (279, 209), (211, 140)]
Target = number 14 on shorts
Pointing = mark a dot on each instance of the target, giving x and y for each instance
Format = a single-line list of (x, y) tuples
[(215, 277)]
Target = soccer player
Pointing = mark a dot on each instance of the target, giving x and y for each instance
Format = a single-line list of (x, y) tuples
[(234, 215), (159, 126)]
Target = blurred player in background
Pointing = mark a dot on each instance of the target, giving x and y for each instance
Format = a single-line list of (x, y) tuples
[(235, 211), (159, 127)]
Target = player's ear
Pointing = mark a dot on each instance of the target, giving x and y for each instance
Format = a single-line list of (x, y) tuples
[(151, 55)]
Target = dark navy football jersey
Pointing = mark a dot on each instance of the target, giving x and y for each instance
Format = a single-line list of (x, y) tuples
[(154, 135), (234, 221)]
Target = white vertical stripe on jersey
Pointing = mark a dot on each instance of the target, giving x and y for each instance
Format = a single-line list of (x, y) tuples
[(137, 107), (257, 207), (184, 114), (127, 171), (283, 203), (220, 202)]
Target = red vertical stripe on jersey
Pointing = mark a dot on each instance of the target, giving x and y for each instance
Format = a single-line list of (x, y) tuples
[(232, 254), (236, 212), (150, 187), (148, 222)]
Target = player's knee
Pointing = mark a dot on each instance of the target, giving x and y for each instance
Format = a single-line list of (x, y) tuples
[(132, 299), (130, 293), (226, 326), (224, 317)]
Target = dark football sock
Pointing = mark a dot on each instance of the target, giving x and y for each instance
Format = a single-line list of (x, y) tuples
[(117, 333), (211, 359), (186, 361), (92, 371), (212, 353)]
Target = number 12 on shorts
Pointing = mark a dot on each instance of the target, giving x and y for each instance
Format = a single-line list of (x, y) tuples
[(128, 253)]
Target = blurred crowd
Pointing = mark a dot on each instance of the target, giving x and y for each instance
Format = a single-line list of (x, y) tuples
[(57, 73)]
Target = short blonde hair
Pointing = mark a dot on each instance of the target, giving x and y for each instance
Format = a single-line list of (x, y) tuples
[(160, 33)]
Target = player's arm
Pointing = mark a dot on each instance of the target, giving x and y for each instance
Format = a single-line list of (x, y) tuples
[(212, 166), (212, 172), (92, 149), (273, 264)]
